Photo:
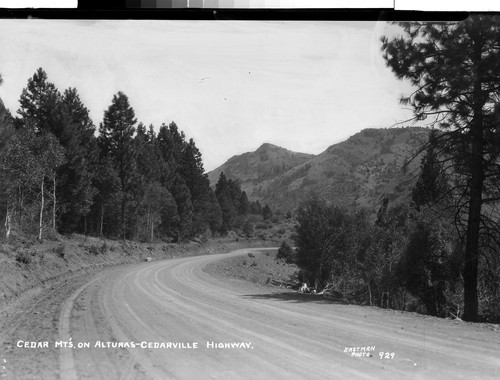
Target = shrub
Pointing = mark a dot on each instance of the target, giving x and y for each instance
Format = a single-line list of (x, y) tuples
[(60, 251), (251, 255), (248, 229), (92, 249), (104, 248), (261, 226), (23, 257), (51, 234), (285, 253)]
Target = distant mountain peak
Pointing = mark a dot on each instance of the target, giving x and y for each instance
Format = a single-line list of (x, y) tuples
[(361, 170), (267, 146)]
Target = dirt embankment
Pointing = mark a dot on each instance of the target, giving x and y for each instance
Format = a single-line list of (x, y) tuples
[(259, 268), (28, 266)]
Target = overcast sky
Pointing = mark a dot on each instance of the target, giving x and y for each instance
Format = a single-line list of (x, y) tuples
[(231, 86)]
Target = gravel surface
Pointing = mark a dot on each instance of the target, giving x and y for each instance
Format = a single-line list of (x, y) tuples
[(276, 333)]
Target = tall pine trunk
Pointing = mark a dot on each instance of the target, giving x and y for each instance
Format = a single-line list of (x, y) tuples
[(475, 203)]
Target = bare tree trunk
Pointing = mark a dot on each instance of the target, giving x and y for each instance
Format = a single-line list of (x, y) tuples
[(41, 212), (370, 293), (54, 204), (7, 223)]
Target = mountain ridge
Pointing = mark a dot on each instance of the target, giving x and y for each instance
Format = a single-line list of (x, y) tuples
[(359, 171)]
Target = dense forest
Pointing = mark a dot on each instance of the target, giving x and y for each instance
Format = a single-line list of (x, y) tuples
[(59, 173)]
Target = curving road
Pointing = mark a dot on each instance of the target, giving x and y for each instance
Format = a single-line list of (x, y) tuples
[(182, 322)]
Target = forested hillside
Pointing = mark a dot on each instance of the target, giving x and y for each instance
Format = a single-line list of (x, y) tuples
[(60, 172)]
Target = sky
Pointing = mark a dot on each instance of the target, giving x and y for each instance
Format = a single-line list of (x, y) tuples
[(229, 85)]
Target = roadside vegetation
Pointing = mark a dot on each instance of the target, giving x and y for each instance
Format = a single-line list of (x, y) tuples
[(438, 254)]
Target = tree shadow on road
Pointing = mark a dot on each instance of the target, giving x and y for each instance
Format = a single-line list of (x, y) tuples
[(297, 297)]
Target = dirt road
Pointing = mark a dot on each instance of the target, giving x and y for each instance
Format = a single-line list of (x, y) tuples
[(171, 320)]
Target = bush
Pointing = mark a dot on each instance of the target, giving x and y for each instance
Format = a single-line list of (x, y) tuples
[(261, 226), (51, 234), (94, 250), (104, 248), (60, 251), (23, 257), (251, 255), (248, 229), (286, 253)]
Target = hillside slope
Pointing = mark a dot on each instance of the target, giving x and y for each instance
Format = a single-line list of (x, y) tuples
[(252, 169), (362, 170)]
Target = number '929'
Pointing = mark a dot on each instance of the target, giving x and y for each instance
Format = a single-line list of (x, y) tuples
[(386, 355)]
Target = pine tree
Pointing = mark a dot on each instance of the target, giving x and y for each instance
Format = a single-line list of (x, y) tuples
[(108, 197), (224, 197), (40, 106), (192, 171), (455, 68), (267, 213), (256, 208), (81, 150), (431, 185), (182, 197), (117, 130), (244, 204)]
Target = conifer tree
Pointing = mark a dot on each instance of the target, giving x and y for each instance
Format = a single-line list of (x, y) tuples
[(224, 197), (455, 69), (117, 130), (40, 105), (244, 204), (182, 197), (431, 185), (81, 150)]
